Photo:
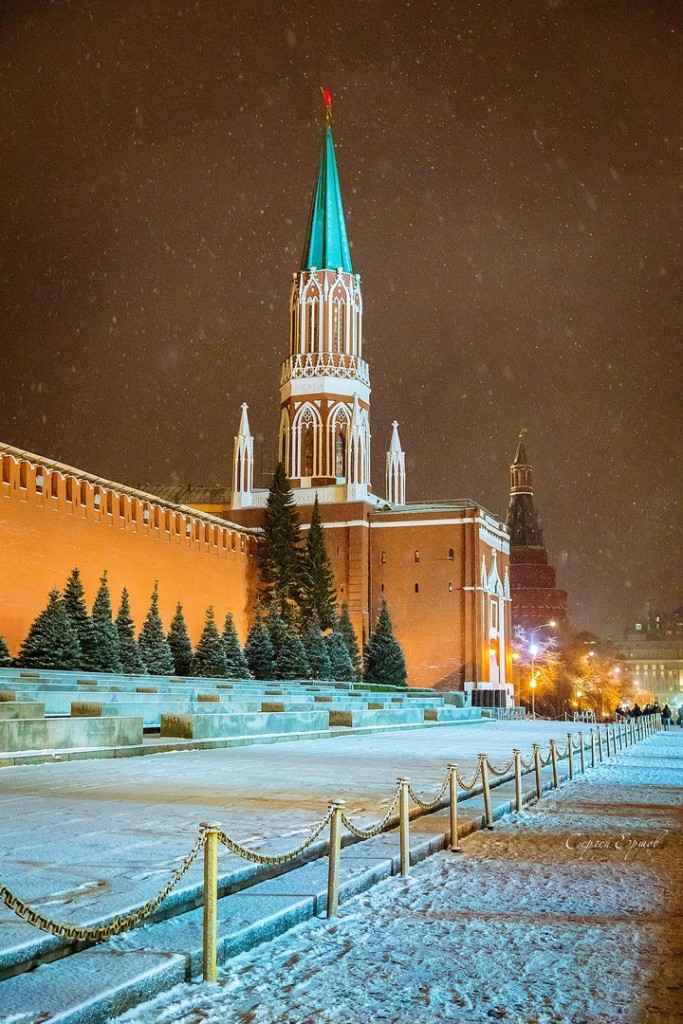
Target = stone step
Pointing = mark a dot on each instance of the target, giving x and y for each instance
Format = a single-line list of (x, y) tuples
[(26, 734), (194, 726)]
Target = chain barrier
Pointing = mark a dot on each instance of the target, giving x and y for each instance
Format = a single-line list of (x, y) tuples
[(469, 786), (82, 933), (277, 858), (505, 770), (368, 833), (430, 805), (527, 765)]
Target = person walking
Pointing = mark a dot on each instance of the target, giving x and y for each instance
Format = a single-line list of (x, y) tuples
[(666, 717)]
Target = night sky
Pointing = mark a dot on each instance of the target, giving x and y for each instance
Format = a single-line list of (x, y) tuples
[(511, 172)]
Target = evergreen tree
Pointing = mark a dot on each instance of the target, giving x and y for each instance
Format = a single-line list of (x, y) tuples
[(347, 631), (276, 626), (292, 662), (5, 656), (131, 658), (154, 648), (316, 651), (74, 603), (318, 594), (52, 641), (209, 658), (107, 646), (234, 656), (259, 651), (340, 662), (278, 557), (384, 661), (179, 642)]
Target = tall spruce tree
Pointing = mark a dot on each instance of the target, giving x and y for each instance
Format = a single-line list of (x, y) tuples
[(52, 641), (340, 662), (276, 626), (234, 656), (384, 661), (179, 642), (316, 651), (279, 549), (5, 656), (209, 658), (76, 609), (259, 651), (107, 646), (292, 662), (154, 648), (346, 629), (318, 594), (131, 658)]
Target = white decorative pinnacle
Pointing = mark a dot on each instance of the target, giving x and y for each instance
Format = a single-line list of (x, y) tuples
[(396, 469), (243, 463)]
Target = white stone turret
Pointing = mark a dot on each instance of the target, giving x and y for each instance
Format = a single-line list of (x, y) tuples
[(243, 464), (396, 470)]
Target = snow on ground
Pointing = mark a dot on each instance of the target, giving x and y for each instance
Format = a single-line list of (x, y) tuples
[(568, 913), (82, 837)]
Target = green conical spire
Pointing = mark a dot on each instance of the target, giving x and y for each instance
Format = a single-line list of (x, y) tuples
[(327, 244)]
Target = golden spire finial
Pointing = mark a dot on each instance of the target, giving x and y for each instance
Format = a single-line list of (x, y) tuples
[(523, 432)]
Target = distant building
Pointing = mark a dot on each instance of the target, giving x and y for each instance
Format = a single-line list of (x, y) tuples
[(652, 650), (536, 599)]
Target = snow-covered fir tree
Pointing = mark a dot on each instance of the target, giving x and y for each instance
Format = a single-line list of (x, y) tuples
[(384, 661), (279, 547), (131, 658), (52, 641), (259, 651), (107, 646), (76, 609), (317, 591), (292, 662), (276, 626), (180, 644), (209, 658), (237, 667), (316, 651), (345, 627), (5, 656), (340, 662), (154, 648)]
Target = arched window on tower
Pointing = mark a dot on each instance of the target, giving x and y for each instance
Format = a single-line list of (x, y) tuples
[(337, 326), (340, 454), (312, 332), (307, 448)]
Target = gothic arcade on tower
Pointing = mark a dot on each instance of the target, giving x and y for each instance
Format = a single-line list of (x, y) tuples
[(441, 566)]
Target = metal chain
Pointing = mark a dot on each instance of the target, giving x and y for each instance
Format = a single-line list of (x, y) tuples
[(82, 933), (368, 833), (468, 786), (432, 804), (501, 771), (279, 858)]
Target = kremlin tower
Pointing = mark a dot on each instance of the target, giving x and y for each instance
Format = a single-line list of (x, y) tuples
[(535, 598)]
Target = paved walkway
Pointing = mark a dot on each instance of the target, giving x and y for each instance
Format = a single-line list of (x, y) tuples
[(568, 913)]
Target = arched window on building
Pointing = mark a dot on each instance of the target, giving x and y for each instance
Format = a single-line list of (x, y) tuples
[(307, 448), (451, 554), (340, 453), (337, 325)]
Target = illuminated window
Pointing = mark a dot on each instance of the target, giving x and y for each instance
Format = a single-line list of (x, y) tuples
[(383, 557), (450, 587), (417, 556), (97, 500)]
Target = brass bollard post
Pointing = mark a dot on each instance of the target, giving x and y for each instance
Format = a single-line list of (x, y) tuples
[(517, 755), (334, 856), (404, 826), (484, 766), (570, 755), (581, 754), (537, 770), (592, 749), (454, 845), (210, 944), (553, 761)]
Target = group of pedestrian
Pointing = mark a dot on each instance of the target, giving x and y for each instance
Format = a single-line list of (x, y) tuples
[(666, 713)]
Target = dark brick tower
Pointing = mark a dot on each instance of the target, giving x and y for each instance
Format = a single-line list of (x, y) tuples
[(535, 597)]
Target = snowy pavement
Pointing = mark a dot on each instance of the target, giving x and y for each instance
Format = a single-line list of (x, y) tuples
[(81, 839), (568, 913)]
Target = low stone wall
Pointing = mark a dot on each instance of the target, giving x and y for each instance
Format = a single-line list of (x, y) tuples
[(193, 727), (62, 733), (21, 709)]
